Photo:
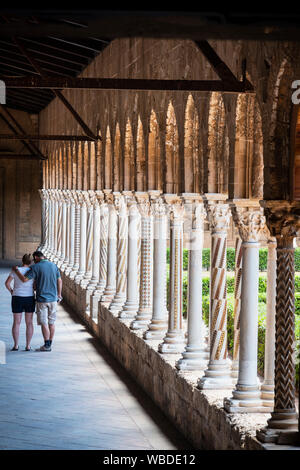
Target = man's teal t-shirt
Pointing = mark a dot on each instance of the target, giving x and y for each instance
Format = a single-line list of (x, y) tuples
[(45, 273)]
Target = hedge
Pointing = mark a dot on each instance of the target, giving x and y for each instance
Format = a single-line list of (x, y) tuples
[(263, 258)]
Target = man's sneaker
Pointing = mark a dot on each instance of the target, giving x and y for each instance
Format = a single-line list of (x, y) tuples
[(44, 348)]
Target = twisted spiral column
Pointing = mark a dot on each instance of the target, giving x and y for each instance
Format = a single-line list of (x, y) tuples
[(174, 341), (237, 306), (89, 197), (110, 288), (195, 355), (120, 296), (217, 374), (83, 226)]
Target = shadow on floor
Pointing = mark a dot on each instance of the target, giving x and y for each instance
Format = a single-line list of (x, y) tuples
[(135, 389)]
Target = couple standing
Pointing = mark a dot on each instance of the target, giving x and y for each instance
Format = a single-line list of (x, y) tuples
[(44, 278)]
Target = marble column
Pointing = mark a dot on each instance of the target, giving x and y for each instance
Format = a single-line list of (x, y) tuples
[(120, 296), (144, 313), (59, 231), (267, 387), (71, 239), (83, 227), (50, 251), (75, 267), (159, 322), (64, 224), (96, 199), (217, 375), (237, 306), (131, 305), (283, 222), (110, 288), (96, 296), (46, 245), (174, 340), (90, 199), (251, 224), (195, 355), (42, 246)]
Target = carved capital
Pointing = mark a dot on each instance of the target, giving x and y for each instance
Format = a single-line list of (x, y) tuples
[(251, 224), (158, 207), (143, 203), (218, 216), (283, 220)]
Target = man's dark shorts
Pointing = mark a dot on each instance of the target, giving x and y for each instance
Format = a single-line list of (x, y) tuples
[(22, 304)]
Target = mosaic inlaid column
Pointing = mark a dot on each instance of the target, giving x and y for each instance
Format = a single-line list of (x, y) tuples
[(83, 227), (144, 313), (195, 355), (283, 222), (267, 388), (110, 288), (95, 298), (131, 305), (120, 296), (75, 267), (217, 375), (174, 341), (159, 322), (252, 229), (89, 197), (237, 306), (71, 238)]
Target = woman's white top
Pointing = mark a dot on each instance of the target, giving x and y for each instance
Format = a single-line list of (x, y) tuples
[(22, 289)]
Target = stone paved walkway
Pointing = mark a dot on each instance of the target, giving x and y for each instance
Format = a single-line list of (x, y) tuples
[(75, 397)]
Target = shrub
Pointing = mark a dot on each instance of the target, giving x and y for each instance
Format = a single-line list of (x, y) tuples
[(263, 259)]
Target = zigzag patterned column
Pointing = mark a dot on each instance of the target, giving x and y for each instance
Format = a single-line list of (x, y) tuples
[(144, 313), (284, 224), (159, 322), (195, 355), (251, 224), (267, 388), (120, 296), (217, 375), (174, 341), (131, 305), (237, 306), (110, 288)]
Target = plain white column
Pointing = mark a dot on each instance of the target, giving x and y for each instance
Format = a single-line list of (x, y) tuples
[(237, 306), (89, 239), (267, 388), (159, 322), (96, 197), (131, 305), (75, 267), (71, 239), (246, 396), (62, 259), (195, 355), (174, 341)]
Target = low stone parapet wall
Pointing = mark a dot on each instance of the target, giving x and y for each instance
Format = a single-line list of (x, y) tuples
[(198, 414)]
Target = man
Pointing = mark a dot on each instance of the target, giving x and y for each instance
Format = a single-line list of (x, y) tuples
[(48, 292)]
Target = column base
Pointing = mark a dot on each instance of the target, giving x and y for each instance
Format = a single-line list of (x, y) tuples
[(216, 376), (246, 399), (107, 296), (267, 395), (141, 320), (117, 303), (278, 436), (193, 359), (129, 310), (280, 425), (156, 329), (174, 343)]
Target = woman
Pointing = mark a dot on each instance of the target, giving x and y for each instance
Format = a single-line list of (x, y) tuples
[(22, 301)]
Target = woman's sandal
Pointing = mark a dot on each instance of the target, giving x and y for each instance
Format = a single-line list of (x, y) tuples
[(15, 349)]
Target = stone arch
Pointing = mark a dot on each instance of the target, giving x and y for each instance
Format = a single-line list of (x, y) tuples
[(247, 171), (154, 154), (108, 160), (129, 165), (172, 157), (140, 158), (192, 165), (117, 167), (217, 146)]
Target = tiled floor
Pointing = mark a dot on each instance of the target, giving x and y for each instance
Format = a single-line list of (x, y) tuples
[(74, 397)]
